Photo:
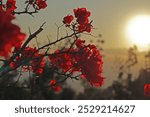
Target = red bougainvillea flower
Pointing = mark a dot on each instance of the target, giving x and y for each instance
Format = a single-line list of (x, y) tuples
[(35, 65), (41, 4), (37, 4), (10, 35), (85, 27), (147, 90), (68, 19), (53, 86), (11, 5), (82, 20), (90, 62), (80, 43), (84, 58), (82, 16), (63, 61)]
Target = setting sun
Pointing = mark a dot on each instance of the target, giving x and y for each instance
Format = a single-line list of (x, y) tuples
[(138, 31)]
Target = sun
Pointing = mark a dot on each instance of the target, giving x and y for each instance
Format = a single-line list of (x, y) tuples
[(138, 31)]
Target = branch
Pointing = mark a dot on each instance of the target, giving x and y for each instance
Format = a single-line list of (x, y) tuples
[(25, 12), (31, 36), (49, 44)]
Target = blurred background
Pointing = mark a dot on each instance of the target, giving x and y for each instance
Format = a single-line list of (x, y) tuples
[(122, 30)]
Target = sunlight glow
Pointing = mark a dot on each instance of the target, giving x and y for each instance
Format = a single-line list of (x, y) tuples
[(138, 31)]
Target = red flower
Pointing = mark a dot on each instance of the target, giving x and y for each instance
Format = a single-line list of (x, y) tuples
[(147, 90), (53, 86), (90, 62), (82, 16), (68, 19), (80, 43), (63, 61), (85, 27), (82, 58), (81, 13), (10, 35), (35, 65), (12, 65), (82, 22), (91, 46), (85, 59), (41, 4), (11, 5), (52, 82)]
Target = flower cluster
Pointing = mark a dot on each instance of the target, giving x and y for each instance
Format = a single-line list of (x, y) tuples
[(63, 60), (36, 64), (89, 60), (84, 58), (82, 20), (37, 4), (10, 34)]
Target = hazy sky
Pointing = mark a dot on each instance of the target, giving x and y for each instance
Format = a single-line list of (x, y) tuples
[(110, 17)]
